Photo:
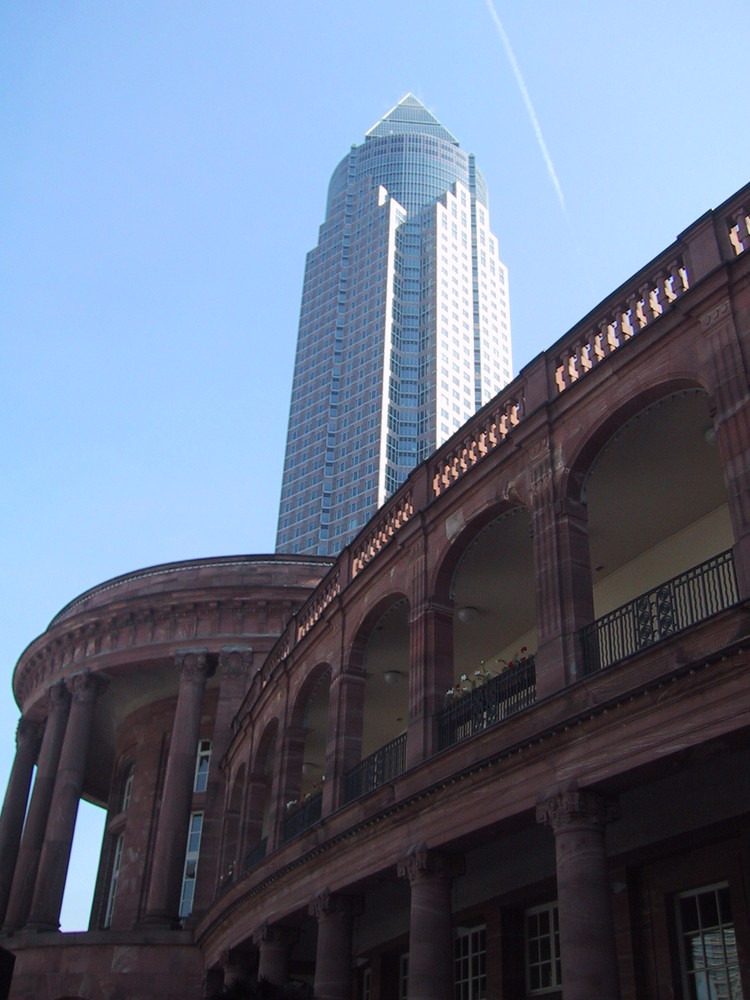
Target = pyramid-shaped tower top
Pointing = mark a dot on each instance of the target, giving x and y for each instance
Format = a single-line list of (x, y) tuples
[(410, 115)]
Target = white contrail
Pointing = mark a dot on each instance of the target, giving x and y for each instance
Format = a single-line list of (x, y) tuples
[(527, 101)]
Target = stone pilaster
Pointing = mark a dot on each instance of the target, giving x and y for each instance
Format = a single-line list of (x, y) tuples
[(430, 875), (27, 863), (730, 401), (162, 906), (28, 739), (562, 570), (58, 838), (273, 943), (333, 960), (344, 742), (430, 676), (587, 936)]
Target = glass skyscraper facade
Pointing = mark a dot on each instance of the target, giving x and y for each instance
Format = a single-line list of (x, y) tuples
[(404, 327)]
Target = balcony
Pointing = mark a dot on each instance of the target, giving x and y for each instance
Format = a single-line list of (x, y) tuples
[(669, 608), (255, 856), (303, 817), (485, 706), (379, 768)]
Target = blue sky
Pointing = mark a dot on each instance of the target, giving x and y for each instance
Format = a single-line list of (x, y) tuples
[(163, 169)]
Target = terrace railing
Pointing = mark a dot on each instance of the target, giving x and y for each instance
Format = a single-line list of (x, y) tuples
[(671, 607), (308, 813), (485, 706), (256, 855), (379, 768)]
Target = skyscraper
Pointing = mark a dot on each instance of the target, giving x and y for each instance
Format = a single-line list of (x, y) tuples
[(404, 326)]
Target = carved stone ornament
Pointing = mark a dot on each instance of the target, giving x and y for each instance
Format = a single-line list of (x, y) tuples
[(235, 660), (422, 863), (193, 665), (574, 807), (58, 697), (86, 686), (327, 904), (275, 934), (715, 315), (28, 733)]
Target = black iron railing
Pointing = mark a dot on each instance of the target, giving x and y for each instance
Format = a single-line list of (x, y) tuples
[(380, 767), (256, 855), (485, 706), (675, 605), (308, 812)]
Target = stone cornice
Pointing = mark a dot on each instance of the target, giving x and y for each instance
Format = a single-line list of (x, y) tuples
[(147, 626)]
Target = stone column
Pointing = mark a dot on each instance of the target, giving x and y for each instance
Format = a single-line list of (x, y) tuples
[(333, 959), (430, 675), (28, 737), (273, 944), (587, 935), (287, 780), (344, 739), (430, 874), (27, 864), (58, 838), (163, 901)]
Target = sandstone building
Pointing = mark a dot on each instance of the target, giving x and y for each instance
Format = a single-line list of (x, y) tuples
[(498, 745)]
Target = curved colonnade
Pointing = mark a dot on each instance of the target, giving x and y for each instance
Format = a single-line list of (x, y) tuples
[(461, 751)]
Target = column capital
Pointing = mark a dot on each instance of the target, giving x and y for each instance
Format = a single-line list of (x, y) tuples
[(574, 808), (194, 665), (235, 660), (86, 686), (275, 934), (58, 697), (28, 734), (327, 904), (420, 863)]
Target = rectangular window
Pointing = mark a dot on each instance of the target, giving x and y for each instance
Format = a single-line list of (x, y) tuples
[(470, 964), (366, 983), (190, 871), (112, 892), (202, 760), (403, 977), (127, 789), (708, 950), (543, 972)]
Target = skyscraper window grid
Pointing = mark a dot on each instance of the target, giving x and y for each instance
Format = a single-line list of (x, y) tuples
[(404, 328)]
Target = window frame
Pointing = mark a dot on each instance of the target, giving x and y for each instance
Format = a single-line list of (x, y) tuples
[(190, 867), (553, 935)]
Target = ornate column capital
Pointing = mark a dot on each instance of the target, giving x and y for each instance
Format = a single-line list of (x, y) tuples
[(58, 697), (327, 904), (235, 660), (28, 734), (575, 807), (420, 863), (194, 665), (86, 686), (277, 934)]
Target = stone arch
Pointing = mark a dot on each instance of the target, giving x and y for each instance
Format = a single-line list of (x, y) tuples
[(259, 795), (487, 579), (653, 487), (310, 714), (445, 561), (380, 655), (605, 427)]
